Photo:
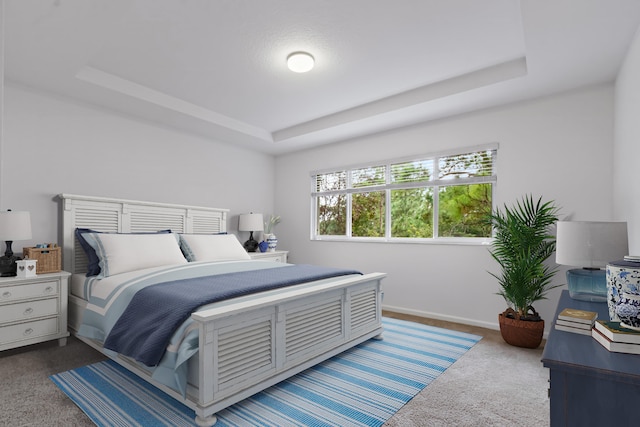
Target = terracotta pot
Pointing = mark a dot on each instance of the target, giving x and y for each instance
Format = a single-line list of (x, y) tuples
[(520, 333)]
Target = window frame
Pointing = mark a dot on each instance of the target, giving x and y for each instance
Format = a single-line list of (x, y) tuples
[(435, 184)]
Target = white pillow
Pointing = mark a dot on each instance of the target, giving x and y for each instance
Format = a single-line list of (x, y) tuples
[(120, 253), (212, 247)]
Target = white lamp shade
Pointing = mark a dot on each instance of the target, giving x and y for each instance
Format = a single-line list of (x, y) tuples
[(591, 244), (15, 225), (251, 222)]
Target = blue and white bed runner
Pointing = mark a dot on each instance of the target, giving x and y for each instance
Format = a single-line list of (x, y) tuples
[(363, 386)]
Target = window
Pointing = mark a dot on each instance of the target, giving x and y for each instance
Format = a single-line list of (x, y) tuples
[(431, 197)]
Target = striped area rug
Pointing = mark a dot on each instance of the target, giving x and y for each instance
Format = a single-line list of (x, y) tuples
[(363, 386)]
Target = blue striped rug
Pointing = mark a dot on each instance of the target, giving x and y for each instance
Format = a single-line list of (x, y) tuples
[(363, 386)]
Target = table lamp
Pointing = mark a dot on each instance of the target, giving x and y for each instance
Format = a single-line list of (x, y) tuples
[(13, 226), (590, 245), (250, 222)]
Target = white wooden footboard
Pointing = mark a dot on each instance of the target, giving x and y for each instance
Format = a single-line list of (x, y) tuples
[(248, 348)]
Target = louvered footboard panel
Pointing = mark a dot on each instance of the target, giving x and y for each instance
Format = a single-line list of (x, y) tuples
[(244, 352), (363, 309), (310, 328)]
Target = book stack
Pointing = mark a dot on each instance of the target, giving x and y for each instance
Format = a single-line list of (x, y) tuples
[(616, 338), (576, 321)]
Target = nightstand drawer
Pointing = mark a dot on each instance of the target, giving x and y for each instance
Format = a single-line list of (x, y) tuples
[(31, 290), (280, 258), (28, 330), (28, 310), (275, 256)]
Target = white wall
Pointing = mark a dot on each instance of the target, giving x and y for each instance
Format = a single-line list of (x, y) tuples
[(627, 145), (52, 145), (558, 147)]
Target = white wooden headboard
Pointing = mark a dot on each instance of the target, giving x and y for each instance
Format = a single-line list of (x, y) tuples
[(129, 216)]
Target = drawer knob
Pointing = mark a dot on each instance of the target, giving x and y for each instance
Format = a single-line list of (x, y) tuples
[(28, 331), (28, 311), (48, 290), (6, 294)]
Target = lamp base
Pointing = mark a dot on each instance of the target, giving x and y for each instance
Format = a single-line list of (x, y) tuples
[(587, 284), (251, 245)]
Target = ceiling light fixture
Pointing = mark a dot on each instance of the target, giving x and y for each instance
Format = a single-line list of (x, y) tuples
[(300, 62)]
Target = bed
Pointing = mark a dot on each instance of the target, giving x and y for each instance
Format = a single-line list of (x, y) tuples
[(241, 345)]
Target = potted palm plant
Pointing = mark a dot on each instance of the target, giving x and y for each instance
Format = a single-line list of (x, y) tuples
[(522, 243)]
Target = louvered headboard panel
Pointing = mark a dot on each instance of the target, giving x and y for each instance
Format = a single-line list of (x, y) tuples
[(127, 216)]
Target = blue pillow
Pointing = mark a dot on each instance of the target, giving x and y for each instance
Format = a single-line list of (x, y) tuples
[(93, 262)]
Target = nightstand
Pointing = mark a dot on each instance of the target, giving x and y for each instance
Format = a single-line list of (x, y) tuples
[(278, 256), (33, 309)]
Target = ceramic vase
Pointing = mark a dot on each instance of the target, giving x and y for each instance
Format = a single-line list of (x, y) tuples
[(272, 240), (621, 277), (628, 311)]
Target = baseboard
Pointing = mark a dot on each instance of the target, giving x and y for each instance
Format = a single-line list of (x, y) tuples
[(455, 319)]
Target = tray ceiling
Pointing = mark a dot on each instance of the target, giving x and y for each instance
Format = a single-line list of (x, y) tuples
[(218, 68)]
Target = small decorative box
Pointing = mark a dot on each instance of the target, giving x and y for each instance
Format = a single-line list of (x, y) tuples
[(26, 268)]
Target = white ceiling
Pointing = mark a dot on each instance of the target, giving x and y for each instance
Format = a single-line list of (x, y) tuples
[(218, 67)]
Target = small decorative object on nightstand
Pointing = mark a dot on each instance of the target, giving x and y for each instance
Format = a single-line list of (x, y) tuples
[(13, 226), (272, 242), (27, 268), (269, 237), (33, 309)]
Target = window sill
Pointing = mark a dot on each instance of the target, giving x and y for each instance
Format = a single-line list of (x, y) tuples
[(466, 241)]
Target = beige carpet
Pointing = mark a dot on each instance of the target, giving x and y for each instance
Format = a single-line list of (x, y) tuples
[(493, 384)]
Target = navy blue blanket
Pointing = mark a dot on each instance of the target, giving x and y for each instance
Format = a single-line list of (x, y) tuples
[(145, 328)]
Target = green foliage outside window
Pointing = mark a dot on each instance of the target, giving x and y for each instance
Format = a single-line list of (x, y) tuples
[(412, 212), (463, 209), (368, 215), (446, 196), (332, 215)]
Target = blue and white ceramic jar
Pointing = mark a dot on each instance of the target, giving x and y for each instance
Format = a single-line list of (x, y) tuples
[(622, 276), (628, 310), (272, 240)]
